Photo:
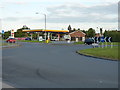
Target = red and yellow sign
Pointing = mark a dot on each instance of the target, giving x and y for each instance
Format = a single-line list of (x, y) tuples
[(12, 33)]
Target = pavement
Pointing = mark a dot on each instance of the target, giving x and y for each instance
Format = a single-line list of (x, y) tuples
[(4, 85), (36, 65)]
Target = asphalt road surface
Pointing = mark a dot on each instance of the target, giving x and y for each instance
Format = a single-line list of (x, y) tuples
[(34, 65)]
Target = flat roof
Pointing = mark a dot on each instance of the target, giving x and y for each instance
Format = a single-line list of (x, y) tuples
[(42, 30)]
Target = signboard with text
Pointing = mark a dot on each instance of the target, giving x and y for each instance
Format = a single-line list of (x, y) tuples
[(3, 32)]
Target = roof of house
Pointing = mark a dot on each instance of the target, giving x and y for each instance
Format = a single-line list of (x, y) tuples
[(77, 34)]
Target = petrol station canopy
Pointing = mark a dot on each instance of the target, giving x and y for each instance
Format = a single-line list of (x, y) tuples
[(42, 30)]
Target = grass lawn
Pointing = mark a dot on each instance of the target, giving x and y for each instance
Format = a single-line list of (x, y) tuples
[(31, 41), (3, 44), (8, 44), (109, 43), (79, 43), (110, 53)]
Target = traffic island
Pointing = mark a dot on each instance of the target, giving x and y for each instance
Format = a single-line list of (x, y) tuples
[(106, 53)]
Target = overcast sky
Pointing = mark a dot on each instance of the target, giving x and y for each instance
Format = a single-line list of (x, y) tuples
[(83, 14)]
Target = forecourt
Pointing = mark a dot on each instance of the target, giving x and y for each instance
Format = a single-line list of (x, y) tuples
[(37, 65)]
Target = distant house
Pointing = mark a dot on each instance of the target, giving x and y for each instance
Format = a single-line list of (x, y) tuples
[(97, 35), (77, 36)]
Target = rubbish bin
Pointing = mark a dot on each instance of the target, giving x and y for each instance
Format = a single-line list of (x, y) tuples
[(47, 41)]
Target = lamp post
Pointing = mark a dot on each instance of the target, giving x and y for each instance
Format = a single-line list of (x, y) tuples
[(45, 24)]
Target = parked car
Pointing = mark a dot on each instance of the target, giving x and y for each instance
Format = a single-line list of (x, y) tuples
[(27, 38), (11, 40), (89, 41)]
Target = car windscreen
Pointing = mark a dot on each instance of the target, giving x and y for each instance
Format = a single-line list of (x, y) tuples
[(89, 40)]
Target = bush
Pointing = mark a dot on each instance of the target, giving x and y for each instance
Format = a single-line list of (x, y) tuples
[(114, 34)]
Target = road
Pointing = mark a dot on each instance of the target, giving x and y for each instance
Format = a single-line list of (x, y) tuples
[(34, 65)]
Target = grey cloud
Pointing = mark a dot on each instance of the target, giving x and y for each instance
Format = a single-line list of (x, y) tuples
[(11, 19), (17, 2), (79, 19), (106, 9), (74, 14), (83, 14), (23, 20)]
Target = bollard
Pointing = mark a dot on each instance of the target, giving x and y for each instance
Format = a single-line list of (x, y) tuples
[(47, 41), (68, 41)]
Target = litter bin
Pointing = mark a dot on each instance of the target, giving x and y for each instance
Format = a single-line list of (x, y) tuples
[(47, 41)]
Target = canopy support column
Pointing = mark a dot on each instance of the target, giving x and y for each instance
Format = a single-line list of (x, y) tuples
[(58, 37), (38, 35), (31, 35)]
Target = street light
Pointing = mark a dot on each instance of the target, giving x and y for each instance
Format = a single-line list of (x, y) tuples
[(45, 23)]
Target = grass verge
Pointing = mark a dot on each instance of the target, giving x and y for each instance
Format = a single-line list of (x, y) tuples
[(8, 44), (30, 41), (35, 41), (108, 53), (109, 43), (79, 43)]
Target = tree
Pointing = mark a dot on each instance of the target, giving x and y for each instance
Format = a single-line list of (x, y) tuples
[(101, 31), (69, 28), (24, 27), (7, 34), (114, 34), (19, 32), (84, 31), (78, 28), (90, 33), (106, 33), (74, 29), (35, 36)]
